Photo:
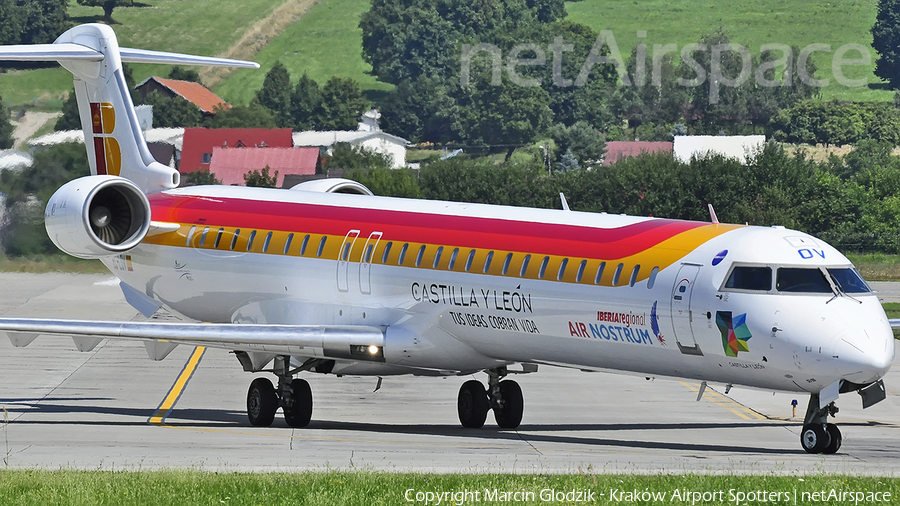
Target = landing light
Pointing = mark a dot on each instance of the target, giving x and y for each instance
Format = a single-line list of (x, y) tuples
[(373, 350)]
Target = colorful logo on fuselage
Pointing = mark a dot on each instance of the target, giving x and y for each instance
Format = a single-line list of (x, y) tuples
[(654, 324), (735, 333)]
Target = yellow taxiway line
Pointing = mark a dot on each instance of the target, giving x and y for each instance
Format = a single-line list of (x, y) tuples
[(727, 403), (178, 387)]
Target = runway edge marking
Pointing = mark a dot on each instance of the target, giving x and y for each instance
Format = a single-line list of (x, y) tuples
[(168, 404)]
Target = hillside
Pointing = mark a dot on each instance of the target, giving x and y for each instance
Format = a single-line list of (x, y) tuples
[(799, 22), (326, 41)]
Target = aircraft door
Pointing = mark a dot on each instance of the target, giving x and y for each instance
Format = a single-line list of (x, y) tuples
[(365, 263), (681, 313), (343, 269)]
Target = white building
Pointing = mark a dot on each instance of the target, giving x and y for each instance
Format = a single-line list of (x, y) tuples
[(739, 147), (378, 141)]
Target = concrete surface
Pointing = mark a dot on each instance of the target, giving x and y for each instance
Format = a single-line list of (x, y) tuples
[(91, 410)]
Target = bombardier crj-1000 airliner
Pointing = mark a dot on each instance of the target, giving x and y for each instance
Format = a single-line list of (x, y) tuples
[(327, 278)]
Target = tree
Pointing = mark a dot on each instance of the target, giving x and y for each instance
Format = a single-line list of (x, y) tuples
[(306, 104), (406, 39), (10, 22), (568, 162), (70, 119), (275, 94), (342, 104), (261, 179), (241, 116), (108, 6), (43, 20), (173, 112), (184, 74), (581, 140), (6, 127), (354, 158), (886, 42), (200, 177)]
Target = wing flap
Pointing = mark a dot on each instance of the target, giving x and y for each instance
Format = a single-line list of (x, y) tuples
[(355, 342)]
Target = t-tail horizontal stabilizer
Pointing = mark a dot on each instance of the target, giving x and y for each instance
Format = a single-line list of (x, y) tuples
[(113, 138)]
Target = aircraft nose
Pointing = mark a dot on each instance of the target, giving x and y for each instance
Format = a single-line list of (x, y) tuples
[(865, 354)]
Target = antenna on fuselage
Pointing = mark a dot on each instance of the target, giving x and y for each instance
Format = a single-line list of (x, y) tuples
[(712, 214)]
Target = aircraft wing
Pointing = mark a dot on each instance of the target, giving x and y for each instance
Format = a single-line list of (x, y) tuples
[(895, 323), (354, 342)]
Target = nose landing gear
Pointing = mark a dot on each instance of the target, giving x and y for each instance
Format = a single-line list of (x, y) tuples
[(503, 397), (819, 436)]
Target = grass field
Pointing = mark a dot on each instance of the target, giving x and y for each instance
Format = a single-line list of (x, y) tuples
[(800, 22), (327, 41), (192, 487), (204, 27)]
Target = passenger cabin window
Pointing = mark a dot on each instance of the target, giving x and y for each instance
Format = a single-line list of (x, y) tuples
[(250, 240), (369, 249), (403, 254), (801, 280), (218, 238), (580, 273), (266, 242), (487, 261), (453, 259), (419, 255), (599, 273), (203, 237), (469, 260), (617, 274), (190, 235), (543, 268), (321, 246), (303, 245), (562, 269), (387, 251), (437, 257), (346, 254), (524, 266), (287, 243), (506, 263), (750, 278), (634, 275), (652, 280), (848, 280), (234, 238)]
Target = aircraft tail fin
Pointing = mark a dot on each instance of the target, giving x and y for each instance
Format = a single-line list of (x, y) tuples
[(113, 138)]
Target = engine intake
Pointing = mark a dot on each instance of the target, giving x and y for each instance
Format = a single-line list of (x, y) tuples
[(97, 216)]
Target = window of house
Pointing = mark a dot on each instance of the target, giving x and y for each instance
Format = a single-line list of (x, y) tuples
[(206, 158)]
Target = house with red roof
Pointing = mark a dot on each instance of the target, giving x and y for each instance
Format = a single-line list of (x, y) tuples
[(231, 164), (198, 143), (194, 93)]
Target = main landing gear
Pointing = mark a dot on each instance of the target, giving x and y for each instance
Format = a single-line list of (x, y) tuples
[(292, 395), (819, 436), (504, 397)]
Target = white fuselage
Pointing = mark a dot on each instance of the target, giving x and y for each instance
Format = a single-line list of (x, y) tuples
[(445, 317)]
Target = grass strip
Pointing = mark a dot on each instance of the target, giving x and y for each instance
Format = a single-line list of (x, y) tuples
[(190, 487)]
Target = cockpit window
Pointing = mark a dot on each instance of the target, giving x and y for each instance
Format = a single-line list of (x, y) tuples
[(791, 279), (848, 280), (750, 278)]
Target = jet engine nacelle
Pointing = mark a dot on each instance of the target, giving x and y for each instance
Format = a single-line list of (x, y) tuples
[(97, 216)]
